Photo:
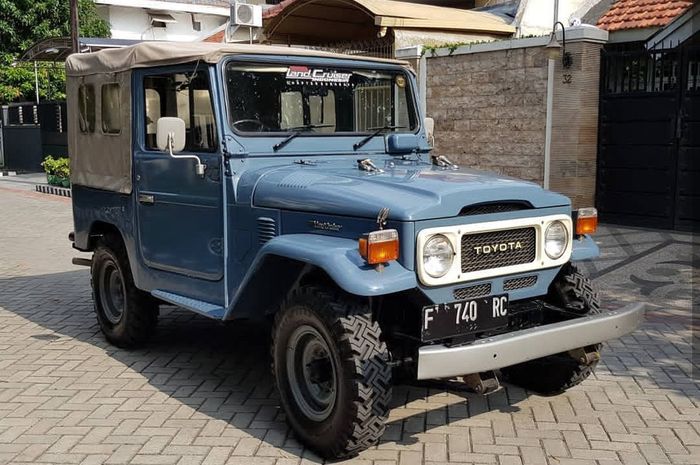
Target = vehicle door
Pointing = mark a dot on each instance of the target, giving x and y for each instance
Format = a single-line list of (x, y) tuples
[(179, 212)]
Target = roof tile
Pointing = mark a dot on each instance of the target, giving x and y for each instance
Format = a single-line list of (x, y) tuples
[(638, 14)]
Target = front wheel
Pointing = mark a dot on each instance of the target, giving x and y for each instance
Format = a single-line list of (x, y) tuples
[(332, 371), (554, 374)]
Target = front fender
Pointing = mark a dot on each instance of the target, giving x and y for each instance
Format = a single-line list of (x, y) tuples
[(340, 259), (584, 248)]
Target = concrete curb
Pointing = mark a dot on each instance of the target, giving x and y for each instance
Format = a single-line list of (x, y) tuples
[(7, 173), (46, 189)]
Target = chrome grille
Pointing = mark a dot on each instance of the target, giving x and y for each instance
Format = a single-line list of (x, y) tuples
[(472, 292), (519, 283), (476, 255)]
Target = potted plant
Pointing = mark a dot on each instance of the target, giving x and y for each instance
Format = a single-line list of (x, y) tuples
[(57, 171)]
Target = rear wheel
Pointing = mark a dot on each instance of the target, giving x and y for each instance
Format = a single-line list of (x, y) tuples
[(332, 371), (127, 316), (556, 373)]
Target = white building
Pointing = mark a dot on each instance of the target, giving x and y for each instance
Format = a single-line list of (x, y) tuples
[(174, 20), (535, 17)]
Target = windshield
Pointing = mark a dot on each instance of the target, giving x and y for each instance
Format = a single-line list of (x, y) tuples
[(290, 98)]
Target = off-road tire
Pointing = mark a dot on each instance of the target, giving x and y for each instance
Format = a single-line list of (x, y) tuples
[(140, 310), (357, 419), (556, 373)]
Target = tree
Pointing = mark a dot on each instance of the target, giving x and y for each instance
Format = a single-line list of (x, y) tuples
[(25, 22)]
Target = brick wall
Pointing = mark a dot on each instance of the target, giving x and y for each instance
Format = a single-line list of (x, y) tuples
[(490, 110)]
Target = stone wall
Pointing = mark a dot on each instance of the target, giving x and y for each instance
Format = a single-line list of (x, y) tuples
[(489, 102), (574, 147)]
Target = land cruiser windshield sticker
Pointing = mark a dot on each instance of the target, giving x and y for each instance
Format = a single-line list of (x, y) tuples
[(319, 76), (307, 99)]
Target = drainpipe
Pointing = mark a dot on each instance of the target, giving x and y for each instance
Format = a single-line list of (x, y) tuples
[(548, 123), (550, 108)]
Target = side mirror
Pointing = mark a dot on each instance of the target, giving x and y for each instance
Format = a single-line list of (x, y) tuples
[(429, 124), (401, 143), (171, 137), (170, 134)]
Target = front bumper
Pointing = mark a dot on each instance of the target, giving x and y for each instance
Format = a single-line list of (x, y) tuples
[(439, 361)]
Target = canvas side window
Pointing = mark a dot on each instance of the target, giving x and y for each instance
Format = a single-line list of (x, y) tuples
[(86, 105), (185, 96), (111, 109)]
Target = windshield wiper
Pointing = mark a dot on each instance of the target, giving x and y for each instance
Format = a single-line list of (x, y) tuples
[(296, 132), (377, 131)]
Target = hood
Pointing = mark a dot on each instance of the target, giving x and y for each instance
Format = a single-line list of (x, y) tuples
[(411, 191)]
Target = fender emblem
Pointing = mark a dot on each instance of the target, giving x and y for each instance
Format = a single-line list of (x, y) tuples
[(325, 225)]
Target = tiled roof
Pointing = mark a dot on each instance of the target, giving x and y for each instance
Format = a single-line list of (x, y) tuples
[(638, 14), (277, 9), (217, 37)]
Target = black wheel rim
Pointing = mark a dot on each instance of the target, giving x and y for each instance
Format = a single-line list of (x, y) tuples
[(312, 373), (112, 293)]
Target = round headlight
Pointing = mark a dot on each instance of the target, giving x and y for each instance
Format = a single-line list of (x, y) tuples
[(556, 238), (438, 255)]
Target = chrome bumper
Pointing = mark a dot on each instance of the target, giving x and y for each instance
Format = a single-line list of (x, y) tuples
[(439, 361)]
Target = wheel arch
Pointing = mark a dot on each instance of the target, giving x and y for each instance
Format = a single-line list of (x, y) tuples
[(260, 299), (288, 260), (100, 229)]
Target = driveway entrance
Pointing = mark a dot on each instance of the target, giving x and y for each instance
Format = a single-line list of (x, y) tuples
[(649, 143)]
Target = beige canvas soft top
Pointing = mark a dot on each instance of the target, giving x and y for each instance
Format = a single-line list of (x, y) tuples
[(148, 54)]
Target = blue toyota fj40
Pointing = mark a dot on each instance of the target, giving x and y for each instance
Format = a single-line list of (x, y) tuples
[(298, 187)]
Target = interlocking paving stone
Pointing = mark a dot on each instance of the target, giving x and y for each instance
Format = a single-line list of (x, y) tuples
[(201, 393)]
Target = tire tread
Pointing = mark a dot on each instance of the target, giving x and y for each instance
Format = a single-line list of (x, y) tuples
[(141, 317), (364, 357), (556, 373)]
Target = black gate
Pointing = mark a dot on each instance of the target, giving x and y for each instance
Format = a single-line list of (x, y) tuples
[(30, 132), (649, 138)]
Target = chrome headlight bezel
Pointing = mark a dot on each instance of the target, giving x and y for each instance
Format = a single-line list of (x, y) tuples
[(448, 253), (558, 236)]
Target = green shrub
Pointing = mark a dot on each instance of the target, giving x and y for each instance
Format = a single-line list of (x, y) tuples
[(58, 167)]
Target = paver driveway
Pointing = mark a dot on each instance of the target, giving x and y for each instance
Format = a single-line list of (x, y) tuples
[(201, 391)]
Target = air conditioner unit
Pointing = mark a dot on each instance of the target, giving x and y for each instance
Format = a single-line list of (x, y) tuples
[(244, 14)]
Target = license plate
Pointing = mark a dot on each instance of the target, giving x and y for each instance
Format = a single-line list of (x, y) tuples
[(451, 319)]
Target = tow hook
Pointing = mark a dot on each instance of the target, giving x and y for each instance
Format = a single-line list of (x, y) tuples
[(482, 383), (585, 355)]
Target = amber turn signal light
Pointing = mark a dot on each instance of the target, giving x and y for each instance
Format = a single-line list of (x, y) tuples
[(586, 221), (380, 246)]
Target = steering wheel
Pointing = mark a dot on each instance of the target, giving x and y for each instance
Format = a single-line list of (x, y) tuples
[(257, 125)]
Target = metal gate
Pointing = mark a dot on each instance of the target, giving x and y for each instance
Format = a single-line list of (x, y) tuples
[(379, 48), (649, 138)]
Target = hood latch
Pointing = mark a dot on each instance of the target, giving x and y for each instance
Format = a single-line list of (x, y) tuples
[(443, 162)]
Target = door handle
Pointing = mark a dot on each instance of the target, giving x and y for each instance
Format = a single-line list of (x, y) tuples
[(147, 199)]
